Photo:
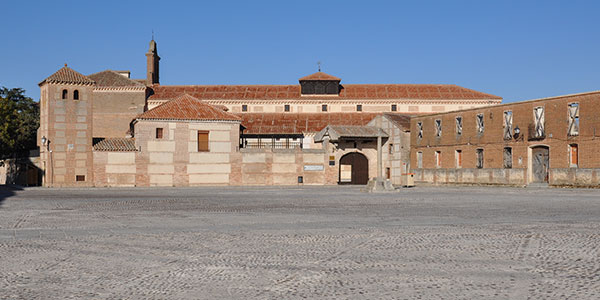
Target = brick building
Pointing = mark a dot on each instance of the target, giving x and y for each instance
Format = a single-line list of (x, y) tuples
[(94, 129), (545, 141)]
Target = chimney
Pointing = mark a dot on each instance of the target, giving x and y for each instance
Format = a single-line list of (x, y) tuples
[(127, 74)]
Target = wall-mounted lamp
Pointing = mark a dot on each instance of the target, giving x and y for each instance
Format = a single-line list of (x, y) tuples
[(517, 132)]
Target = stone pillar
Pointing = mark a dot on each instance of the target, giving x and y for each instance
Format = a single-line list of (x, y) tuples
[(379, 157)]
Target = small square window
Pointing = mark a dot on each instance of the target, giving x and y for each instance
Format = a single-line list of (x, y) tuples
[(324, 107), (286, 107), (79, 177), (244, 107), (159, 133), (359, 107), (394, 107)]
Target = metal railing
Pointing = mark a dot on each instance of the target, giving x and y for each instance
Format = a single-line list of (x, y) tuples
[(273, 145)]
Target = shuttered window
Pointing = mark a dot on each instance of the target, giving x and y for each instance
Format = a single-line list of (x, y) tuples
[(202, 141), (573, 156)]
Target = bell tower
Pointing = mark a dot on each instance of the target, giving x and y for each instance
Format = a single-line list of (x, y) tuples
[(152, 60)]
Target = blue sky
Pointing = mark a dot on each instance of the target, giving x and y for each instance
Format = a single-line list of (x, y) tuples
[(514, 49)]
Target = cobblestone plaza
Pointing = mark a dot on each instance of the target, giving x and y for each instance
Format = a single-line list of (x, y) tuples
[(299, 242)]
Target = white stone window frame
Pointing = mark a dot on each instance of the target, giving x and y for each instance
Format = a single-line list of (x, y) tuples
[(508, 124), (539, 121), (480, 125), (438, 127), (573, 115)]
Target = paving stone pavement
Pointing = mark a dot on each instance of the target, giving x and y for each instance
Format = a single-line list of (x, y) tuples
[(299, 242)]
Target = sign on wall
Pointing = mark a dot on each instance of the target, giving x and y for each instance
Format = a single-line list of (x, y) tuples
[(313, 168)]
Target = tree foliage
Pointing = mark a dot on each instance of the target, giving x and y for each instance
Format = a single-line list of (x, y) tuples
[(19, 121)]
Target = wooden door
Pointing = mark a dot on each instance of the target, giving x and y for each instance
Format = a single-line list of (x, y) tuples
[(359, 167), (540, 164)]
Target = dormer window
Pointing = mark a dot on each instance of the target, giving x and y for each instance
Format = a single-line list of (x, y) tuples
[(64, 94), (76, 95), (320, 84)]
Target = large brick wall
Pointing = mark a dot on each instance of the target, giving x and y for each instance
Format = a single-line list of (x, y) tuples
[(493, 143)]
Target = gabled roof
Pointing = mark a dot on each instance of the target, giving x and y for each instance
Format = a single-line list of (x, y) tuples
[(115, 144), (348, 91), (67, 75), (110, 78), (299, 123), (337, 132), (320, 76), (400, 120), (186, 107)]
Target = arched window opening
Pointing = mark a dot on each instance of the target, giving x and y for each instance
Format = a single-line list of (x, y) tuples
[(64, 94), (76, 95)]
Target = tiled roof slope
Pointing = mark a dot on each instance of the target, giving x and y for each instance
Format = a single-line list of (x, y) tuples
[(116, 144), (111, 78), (320, 76), (298, 123), (400, 120), (348, 91), (186, 107), (67, 75)]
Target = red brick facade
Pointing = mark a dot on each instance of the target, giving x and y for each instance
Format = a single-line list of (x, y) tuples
[(493, 142)]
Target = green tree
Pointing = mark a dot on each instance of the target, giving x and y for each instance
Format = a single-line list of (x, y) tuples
[(19, 121)]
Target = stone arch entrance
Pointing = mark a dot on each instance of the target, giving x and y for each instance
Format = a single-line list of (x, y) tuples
[(354, 169), (540, 164)]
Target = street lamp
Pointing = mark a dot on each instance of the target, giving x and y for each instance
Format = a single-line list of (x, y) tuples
[(44, 140)]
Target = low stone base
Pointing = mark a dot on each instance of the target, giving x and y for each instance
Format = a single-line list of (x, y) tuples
[(379, 185)]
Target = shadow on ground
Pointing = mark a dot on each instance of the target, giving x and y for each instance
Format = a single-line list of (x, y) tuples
[(8, 191)]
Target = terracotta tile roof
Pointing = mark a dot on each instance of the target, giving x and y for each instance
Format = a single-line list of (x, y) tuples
[(298, 123), (401, 121), (113, 79), (186, 107), (67, 75), (348, 91), (115, 144), (320, 76)]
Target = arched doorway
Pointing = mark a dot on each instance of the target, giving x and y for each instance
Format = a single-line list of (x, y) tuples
[(354, 169), (540, 164)]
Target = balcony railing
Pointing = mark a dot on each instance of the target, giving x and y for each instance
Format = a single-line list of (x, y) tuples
[(273, 145)]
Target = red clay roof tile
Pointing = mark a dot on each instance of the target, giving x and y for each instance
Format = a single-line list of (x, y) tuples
[(67, 75), (319, 76), (186, 107)]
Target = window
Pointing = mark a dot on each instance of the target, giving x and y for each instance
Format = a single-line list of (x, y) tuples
[(394, 107), (79, 177), (159, 133), (391, 149), (324, 107), (507, 124), (420, 160), (244, 107), (202, 141), (359, 107), (320, 87), (573, 156), (479, 120), (419, 130), (438, 159), (573, 119), (438, 128), (64, 94), (479, 162), (538, 114), (508, 158), (76, 95), (286, 107), (458, 156), (459, 125)]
